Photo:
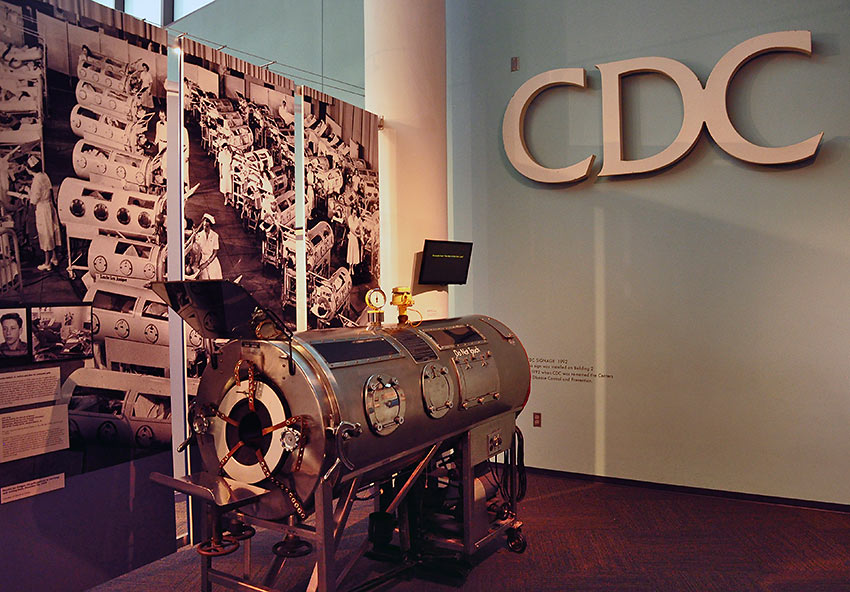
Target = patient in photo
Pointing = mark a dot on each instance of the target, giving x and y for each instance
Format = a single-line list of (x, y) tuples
[(12, 344)]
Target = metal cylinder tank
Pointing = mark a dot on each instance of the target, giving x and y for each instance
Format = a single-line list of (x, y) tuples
[(117, 168), (403, 388), (89, 208), (116, 101), (119, 258)]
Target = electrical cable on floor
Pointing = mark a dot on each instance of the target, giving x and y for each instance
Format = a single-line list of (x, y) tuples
[(499, 482)]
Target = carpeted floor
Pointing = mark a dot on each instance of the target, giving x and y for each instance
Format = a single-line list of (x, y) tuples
[(586, 535)]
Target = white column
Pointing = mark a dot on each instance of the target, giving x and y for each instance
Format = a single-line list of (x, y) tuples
[(405, 76), (174, 229), (300, 217)]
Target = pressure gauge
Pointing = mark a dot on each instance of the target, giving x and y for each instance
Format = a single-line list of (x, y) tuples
[(376, 299)]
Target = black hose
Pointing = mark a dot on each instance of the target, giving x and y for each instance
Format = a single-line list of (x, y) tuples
[(520, 461)]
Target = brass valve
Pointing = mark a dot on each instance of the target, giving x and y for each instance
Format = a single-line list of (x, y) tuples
[(403, 299)]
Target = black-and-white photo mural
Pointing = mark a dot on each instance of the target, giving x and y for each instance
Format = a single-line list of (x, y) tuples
[(83, 177), (82, 192), (240, 212), (23, 93), (240, 123), (341, 196)]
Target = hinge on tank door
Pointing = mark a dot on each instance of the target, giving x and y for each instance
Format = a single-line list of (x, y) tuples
[(503, 330)]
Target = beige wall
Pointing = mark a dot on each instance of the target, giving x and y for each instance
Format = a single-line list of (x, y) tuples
[(406, 84)]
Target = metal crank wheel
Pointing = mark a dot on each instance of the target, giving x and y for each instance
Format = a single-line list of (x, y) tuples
[(211, 548), (292, 546)]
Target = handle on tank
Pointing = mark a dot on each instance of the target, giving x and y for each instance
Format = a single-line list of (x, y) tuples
[(344, 432), (186, 442)]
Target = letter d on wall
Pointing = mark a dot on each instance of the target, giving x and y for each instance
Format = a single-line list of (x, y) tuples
[(513, 128), (612, 114)]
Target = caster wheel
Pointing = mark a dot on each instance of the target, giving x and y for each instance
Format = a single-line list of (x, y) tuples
[(517, 542)]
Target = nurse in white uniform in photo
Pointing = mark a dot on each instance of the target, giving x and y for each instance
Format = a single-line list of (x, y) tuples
[(225, 181), (207, 238)]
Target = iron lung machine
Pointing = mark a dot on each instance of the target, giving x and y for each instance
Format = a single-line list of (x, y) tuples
[(286, 424)]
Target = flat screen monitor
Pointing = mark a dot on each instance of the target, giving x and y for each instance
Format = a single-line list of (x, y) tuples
[(445, 262)]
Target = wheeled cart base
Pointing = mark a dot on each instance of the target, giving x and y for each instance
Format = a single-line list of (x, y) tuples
[(418, 525)]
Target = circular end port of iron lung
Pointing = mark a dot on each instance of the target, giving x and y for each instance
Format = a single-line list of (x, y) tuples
[(253, 422)]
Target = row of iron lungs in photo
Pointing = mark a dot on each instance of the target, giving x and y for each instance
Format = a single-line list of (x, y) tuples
[(117, 214)]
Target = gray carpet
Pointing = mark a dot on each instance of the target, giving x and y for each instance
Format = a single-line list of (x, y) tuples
[(588, 535)]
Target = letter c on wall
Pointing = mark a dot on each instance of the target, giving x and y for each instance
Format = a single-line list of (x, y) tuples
[(717, 117), (513, 128)]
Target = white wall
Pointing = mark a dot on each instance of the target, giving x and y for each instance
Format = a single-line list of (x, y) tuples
[(318, 43), (144, 9), (713, 292), (184, 7)]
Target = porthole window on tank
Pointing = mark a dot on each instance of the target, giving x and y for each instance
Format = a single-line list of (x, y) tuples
[(100, 263), (123, 216), (145, 220), (384, 402), (100, 212), (78, 208)]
